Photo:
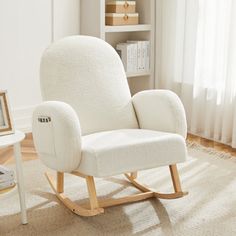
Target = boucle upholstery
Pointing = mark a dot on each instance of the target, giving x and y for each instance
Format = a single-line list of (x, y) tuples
[(88, 74), (58, 143), (160, 110), (93, 126), (126, 150)]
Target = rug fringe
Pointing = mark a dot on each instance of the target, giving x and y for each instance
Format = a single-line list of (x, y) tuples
[(209, 150)]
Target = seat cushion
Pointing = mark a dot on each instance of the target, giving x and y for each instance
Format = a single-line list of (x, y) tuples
[(126, 150)]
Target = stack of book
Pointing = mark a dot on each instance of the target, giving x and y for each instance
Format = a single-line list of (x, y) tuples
[(135, 56), (6, 178)]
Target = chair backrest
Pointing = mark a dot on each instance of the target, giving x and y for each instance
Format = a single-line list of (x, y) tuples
[(87, 73)]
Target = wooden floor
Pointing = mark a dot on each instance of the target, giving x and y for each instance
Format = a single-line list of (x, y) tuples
[(29, 153), (208, 143), (27, 148)]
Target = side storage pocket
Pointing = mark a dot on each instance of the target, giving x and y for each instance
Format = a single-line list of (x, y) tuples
[(44, 136)]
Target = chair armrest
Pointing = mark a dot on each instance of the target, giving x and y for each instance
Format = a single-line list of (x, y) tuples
[(57, 135), (160, 110)]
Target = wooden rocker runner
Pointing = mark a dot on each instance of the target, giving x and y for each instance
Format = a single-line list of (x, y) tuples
[(90, 126), (97, 207)]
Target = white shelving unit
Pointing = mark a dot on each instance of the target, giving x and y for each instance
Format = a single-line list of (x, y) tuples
[(93, 23)]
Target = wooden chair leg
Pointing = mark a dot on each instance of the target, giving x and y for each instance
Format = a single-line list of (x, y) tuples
[(176, 183), (92, 192), (60, 182), (75, 208), (175, 178), (95, 205), (134, 175)]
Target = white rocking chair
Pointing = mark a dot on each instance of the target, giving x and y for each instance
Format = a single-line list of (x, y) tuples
[(90, 126)]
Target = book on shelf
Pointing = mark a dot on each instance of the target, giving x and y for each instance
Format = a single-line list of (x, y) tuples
[(6, 178), (143, 55), (7, 184), (127, 54), (135, 56)]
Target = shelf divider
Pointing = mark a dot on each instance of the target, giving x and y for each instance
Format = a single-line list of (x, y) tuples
[(138, 74), (128, 28)]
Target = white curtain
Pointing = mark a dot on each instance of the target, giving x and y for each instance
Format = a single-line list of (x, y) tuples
[(197, 60)]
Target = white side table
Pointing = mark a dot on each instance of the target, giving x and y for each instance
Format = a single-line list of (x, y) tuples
[(15, 139)]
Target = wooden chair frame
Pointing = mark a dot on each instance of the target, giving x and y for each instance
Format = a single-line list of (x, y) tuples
[(96, 207)]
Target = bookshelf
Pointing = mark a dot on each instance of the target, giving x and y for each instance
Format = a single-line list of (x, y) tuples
[(93, 23)]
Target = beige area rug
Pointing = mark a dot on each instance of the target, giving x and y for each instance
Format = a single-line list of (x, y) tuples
[(209, 209)]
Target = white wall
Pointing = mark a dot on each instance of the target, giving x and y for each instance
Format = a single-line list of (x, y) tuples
[(158, 53), (66, 18), (27, 27)]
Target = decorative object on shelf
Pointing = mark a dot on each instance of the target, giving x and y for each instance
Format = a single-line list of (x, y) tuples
[(121, 7), (122, 19), (6, 125), (6, 178), (135, 56), (121, 13)]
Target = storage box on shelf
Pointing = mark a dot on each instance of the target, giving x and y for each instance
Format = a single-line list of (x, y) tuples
[(121, 13), (121, 7), (93, 22), (121, 18)]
